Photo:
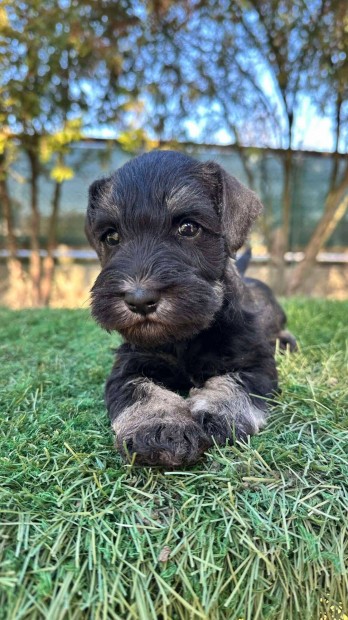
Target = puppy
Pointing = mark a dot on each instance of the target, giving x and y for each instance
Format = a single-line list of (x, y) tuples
[(197, 364)]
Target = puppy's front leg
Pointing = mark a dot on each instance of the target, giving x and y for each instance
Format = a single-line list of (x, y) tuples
[(151, 422), (224, 409)]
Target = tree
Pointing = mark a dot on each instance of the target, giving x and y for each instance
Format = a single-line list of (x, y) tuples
[(60, 62), (16, 274), (246, 67), (155, 71), (331, 95)]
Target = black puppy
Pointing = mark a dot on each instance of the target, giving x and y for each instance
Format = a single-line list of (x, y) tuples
[(197, 365)]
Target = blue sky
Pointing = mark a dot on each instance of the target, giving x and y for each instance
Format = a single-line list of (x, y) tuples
[(311, 132)]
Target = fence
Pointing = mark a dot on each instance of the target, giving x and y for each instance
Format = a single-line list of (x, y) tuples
[(91, 159)]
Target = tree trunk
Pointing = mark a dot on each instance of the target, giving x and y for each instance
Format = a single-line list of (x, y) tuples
[(35, 260), (244, 157), (336, 159), (49, 262), (335, 207), (14, 266), (334, 210), (281, 236)]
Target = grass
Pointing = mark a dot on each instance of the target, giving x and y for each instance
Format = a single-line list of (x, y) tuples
[(255, 531)]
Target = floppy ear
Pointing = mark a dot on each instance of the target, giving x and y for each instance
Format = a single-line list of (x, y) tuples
[(96, 192), (237, 205)]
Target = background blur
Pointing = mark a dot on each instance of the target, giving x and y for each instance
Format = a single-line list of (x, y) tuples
[(261, 86)]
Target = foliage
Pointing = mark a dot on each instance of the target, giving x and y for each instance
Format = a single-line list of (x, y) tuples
[(256, 531), (329, 77), (246, 72), (57, 145), (61, 70), (62, 66), (136, 140), (8, 152), (246, 67), (243, 67)]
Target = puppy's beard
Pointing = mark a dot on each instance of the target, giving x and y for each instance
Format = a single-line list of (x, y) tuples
[(181, 314)]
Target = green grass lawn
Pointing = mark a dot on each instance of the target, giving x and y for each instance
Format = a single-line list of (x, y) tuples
[(255, 531)]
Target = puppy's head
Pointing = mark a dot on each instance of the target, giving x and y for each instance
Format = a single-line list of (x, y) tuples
[(163, 226)]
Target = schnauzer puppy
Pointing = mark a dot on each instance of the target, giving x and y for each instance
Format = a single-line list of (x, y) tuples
[(197, 364)]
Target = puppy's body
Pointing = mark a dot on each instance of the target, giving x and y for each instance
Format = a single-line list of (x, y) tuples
[(165, 228)]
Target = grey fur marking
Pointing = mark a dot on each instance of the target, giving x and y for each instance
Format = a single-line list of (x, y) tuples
[(223, 397), (158, 428), (153, 402)]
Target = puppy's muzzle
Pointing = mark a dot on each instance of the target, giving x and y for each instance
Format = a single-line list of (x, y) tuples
[(142, 300)]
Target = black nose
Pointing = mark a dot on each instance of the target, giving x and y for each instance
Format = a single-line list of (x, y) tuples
[(142, 301)]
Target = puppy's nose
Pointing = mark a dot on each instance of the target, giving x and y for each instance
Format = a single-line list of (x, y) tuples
[(142, 301)]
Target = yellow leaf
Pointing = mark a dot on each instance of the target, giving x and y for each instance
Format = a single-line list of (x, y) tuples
[(61, 173), (60, 141), (135, 140), (3, 18)]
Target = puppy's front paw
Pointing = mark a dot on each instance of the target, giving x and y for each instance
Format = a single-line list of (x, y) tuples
[(164, 441), (224, 410), (217, 426), (222, 426)]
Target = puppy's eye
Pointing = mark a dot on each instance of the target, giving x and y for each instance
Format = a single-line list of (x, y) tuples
[(189, 229), (111, 238)]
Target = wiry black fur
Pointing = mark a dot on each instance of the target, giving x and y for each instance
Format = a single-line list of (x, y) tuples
[(213, 334)]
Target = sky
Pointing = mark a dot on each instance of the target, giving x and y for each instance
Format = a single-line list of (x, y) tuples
[(312, 132)]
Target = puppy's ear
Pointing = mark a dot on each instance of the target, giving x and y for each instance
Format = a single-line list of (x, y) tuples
[(96, 193), (237, 205)]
